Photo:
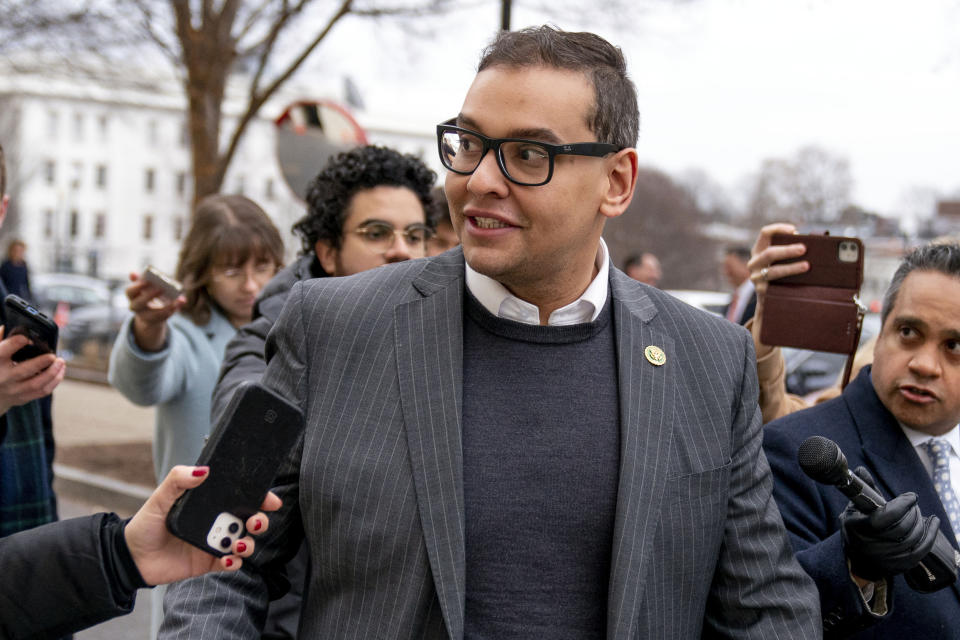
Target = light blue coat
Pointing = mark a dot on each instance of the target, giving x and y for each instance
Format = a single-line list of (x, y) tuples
[(179, 380)]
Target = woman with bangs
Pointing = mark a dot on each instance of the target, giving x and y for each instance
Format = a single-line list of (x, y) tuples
[(169, 353)]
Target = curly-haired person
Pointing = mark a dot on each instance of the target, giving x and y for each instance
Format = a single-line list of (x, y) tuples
[(365, 209)]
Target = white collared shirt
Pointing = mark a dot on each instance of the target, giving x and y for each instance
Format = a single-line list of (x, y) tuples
[(743, 294), (496, 299), (952, 437)]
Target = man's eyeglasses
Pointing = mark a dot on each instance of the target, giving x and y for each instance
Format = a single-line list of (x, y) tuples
[(380, 236), (524, 162)]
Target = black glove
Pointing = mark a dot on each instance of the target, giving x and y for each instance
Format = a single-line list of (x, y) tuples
[(891, 540)]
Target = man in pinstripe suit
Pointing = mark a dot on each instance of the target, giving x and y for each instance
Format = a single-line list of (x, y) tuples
[(514, 439)]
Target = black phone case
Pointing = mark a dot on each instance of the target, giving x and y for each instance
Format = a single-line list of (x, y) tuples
[(24, 318), (244, 453)]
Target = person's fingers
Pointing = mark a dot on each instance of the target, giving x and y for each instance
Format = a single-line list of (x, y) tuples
[(898, 514), (763, 240), (180, 478), (231, 562), (59, 368), (258, 523), (29, 369), (243, 547), (271, 502), (9, 346)]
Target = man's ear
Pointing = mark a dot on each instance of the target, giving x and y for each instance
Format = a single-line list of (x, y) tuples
[(4, 202), (622, 180), (327, 256)]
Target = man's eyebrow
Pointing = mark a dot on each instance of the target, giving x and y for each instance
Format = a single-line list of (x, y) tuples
[(533, 133)]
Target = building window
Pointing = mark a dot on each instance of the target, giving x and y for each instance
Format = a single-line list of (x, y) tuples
[(78, 127), (268, 190), (50, 171), (240, 185), (178, 226), (103, 123), (102, 176), (48, 223), (53, 124), (181, 183), (149, 178), (148, 227), (75, 179), (184, 134), (152, 135), (74, 223), (100, 225)]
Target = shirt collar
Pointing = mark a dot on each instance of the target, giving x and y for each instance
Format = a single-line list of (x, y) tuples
[(918, 438), (496, 299)]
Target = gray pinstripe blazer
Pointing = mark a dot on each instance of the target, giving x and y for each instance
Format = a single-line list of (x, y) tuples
[(375, 361)]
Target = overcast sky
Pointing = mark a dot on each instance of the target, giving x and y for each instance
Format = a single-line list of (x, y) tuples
[(724, 84)]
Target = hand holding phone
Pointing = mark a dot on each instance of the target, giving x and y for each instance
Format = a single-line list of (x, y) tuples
[(24, 319), (814, 308), (244, 451)]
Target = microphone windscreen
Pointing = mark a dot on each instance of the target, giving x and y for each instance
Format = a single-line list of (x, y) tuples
[(821, 459)]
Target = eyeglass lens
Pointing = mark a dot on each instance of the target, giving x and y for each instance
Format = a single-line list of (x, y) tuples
[(523, 161), (381, 237)]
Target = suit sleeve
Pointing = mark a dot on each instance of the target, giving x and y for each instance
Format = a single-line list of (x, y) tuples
[(57, 579), (233, 605), (812, 524), (759, 589)]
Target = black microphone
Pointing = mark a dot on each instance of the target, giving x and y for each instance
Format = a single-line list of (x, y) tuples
[(822, 460)]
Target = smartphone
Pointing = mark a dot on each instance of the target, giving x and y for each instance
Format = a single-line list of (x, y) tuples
[(816, 309), (24, 319), (257, 433), (171, 288)]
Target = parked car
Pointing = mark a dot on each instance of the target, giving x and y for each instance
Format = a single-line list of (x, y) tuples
[(51, 289), (810, 371), (92, 312)]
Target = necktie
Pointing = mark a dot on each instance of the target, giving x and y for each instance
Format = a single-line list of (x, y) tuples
[(732, 309), (939, 452)]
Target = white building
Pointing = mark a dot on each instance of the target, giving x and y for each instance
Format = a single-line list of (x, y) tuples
[(99, 170)]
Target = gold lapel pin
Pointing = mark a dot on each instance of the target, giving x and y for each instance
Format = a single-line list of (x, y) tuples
[(655, 356)]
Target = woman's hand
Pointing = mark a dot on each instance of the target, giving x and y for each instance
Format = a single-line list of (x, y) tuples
[(160, 556), (150, 312), (762, 267)]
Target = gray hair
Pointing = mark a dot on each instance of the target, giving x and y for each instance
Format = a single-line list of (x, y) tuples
[(941, 257)]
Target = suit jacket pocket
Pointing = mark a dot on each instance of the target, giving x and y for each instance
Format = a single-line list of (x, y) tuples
[(692, 526)]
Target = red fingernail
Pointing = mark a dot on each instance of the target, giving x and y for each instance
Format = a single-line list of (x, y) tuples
[(229, 562), (200, 472), (257, 526), (241, 547)]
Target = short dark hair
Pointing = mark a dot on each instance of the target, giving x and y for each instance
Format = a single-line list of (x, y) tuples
[(633, 260), (439, 210), (3, 173), (739, 251), (940, 257), (226, 232), (615, 118), (330, 192)]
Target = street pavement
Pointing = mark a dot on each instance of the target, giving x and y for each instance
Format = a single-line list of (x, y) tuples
[(86, 413)]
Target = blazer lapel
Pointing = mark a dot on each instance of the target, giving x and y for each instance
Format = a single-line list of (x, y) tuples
[(897, 466), (646, 432), (429, 348)]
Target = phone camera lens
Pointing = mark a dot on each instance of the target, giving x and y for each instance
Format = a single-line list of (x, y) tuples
[(226, 542), (234, 527)]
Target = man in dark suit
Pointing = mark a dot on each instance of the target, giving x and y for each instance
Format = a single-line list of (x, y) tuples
[(514, 439), (886, 420)]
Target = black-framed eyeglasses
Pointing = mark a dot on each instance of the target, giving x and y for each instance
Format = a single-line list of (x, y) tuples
[(380, 236), (525, 162)]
